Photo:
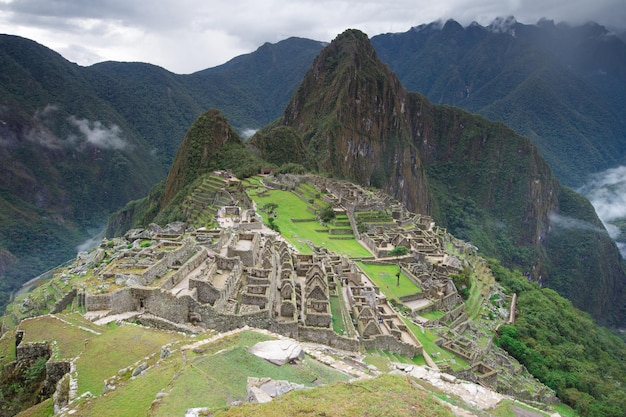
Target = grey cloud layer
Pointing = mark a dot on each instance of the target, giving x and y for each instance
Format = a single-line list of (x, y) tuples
[(189, 35)]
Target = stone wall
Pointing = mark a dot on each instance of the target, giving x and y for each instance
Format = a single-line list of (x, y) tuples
[(64, 302), (318, 319), (29, 352), (206, 292), (123, 301), (160, 268), (99, 302), (390, 343), (211, 319), (184, 270), (54, 372), (250, 256), (164, 304), (116, 302), (327, 337)]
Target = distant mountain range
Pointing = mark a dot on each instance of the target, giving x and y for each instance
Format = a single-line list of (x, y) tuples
[(77, 143)]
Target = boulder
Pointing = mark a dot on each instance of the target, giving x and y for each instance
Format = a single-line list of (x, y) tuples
[(262, 390), (278, 352)]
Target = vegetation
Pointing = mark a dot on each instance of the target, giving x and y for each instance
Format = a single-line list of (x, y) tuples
[(387, 279), (327, 214), (19, 388), (358, 398), (564, 348), (463, 282), (399, 251)]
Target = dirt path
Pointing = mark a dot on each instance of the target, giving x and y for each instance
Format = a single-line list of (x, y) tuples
[(522, 412)]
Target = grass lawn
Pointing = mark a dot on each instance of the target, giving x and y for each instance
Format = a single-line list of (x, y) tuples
[(136, 396), (439, 355), (290, 206), (117, 348), (215, 379), (7, 348), (70, 338), (369, 397), (338, 324), (433, 315), (385, 277)]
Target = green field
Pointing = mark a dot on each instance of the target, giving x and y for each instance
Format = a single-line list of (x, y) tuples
[(214, 380), (338, 325), (290, 206), (384, 276), (441, 356), (386, 395)]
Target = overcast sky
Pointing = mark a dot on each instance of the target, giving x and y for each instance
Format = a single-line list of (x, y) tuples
[(184, 36)]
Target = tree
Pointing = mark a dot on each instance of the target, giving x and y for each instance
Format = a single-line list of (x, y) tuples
[(399, 251), (327, 214)]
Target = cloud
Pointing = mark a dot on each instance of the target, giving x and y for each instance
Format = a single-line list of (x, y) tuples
[(607, 192), (189, 35), (98, 135), (248, 133), (564, 222)]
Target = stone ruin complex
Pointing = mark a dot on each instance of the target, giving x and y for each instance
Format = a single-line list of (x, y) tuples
[(190, 279)]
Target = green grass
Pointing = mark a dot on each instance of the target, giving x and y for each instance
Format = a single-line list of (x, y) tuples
[(384, 276), (43, 409), (117, 348), (505, 409), (7, 348), (360, 398), (433, 315), (70, 338), (339, 326), (439, 355), (290, 206), (136, 396), (215, 379)]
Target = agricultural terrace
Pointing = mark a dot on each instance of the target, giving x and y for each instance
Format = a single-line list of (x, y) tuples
[(439, 355), (291, 207)]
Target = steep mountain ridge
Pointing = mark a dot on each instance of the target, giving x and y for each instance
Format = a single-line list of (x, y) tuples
[(357, 128)]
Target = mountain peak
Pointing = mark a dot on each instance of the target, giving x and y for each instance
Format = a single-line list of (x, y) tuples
[(352, 113), (503, 25)]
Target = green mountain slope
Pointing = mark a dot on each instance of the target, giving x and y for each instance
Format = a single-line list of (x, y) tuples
[(68, 160), (558, 85), (78, 143)]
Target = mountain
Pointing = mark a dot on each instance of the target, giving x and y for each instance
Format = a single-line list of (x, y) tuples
[(78, 143), (68, 160), (479, 178), (559, 85)]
